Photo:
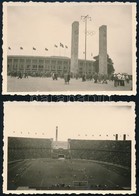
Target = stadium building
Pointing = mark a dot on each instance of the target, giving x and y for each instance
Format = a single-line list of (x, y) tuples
[(45, 66), (44, 164)]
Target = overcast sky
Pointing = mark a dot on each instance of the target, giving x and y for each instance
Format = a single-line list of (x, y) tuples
[(74, 120), (45, 25)]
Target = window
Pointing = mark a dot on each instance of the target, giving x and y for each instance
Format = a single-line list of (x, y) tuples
[(28, 61), (34, 61), (34, 66), (40, 66), (53, 62), (65, 62), (15, 66), (15, 60), (9, 60), (21, 66), (28, 66), (21, 60), (59, 67), (46, 66), (53, 67), (47, 62), (41, 61), (59, 62)]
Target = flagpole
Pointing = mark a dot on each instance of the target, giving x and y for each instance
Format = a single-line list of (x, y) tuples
[(9, 49), (59, 51), (54, 51), (85, 18)]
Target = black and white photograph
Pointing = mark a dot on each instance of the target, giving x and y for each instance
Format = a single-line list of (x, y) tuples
[(69, 147), (69, 48)]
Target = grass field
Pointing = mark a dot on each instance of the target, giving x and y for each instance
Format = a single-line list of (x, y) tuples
[(55, 174)]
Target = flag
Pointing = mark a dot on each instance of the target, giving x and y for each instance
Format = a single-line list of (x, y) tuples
[(55, 46), (21, 48), (9, 48), (61, 45), (46, 49), (66, 46), (34, 48)]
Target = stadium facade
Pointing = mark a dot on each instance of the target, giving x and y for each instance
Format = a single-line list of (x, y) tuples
[(45, 66)]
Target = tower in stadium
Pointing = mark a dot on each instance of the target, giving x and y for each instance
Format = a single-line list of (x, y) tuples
[(74, 48), (103, 50), (56, 133)]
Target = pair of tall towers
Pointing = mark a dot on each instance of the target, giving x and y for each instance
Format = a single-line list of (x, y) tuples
[(102, 49)]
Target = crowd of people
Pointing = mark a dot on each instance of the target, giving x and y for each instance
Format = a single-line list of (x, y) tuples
[(63, 186), (96, 78), (119, 79), (117, 152)]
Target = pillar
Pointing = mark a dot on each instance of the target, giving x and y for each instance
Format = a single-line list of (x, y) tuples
[(56, 133), (116, 137), (103, 50), (74, 48)]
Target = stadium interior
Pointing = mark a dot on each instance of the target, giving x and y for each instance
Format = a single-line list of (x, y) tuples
[(44, 164)]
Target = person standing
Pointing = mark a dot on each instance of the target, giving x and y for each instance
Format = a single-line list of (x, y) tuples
[(115, 78), (95, 78)]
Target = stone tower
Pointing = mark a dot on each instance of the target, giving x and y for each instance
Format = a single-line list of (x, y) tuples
[(103, 50), (56, 133), (74, 48)]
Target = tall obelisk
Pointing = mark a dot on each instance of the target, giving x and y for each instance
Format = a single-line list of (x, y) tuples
[(56, 133), (103, 50), (74, 48)]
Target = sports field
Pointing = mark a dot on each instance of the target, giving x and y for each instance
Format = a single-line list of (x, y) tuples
[(66, 174)]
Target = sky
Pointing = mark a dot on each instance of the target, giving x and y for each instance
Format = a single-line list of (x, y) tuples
[(74, 120), (44, 25)]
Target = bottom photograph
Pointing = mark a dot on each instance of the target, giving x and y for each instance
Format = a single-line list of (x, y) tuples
[(69, 147)]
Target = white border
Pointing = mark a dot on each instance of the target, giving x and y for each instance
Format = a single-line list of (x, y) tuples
[(133, 160), (134, 58)]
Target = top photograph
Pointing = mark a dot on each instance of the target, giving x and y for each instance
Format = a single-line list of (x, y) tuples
[(69, 48)]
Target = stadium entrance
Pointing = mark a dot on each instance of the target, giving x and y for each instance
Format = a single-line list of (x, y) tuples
[(61, 156), (60, 150)]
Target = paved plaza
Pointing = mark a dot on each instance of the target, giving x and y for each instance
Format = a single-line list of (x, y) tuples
[(34, 84)]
